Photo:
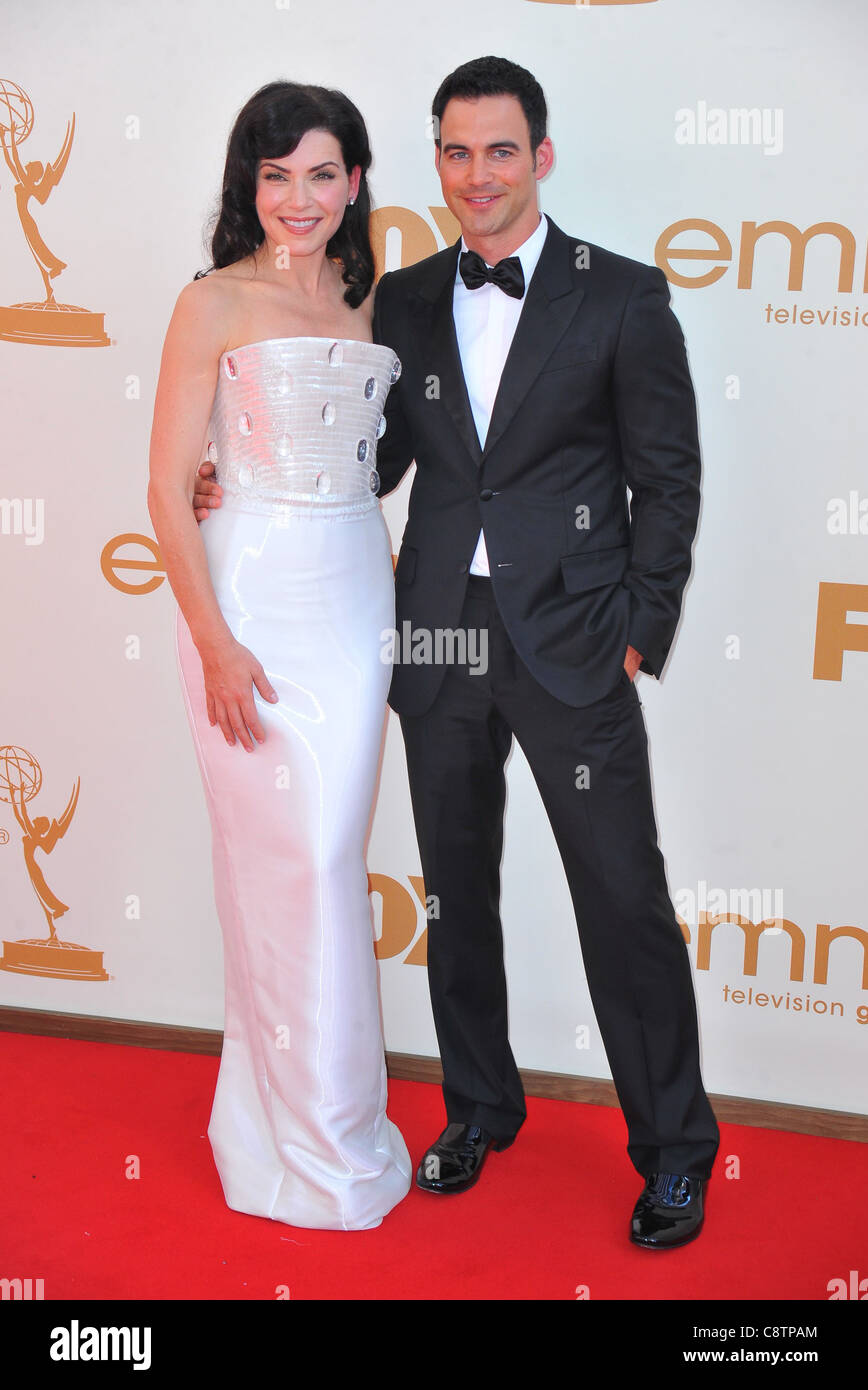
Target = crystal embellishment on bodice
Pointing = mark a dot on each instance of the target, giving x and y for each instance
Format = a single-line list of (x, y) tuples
[(295, 423)]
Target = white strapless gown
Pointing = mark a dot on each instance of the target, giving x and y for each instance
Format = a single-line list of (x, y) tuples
[(300, 560)]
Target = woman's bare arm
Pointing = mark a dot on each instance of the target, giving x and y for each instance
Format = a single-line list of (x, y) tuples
[(185, 393)]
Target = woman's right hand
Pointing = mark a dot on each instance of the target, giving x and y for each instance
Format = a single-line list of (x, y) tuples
[(231, 671)]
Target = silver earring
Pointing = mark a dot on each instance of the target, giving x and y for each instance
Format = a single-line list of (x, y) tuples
[(350, 202)]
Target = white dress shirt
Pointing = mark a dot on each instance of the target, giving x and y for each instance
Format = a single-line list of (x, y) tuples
[(485, 322)]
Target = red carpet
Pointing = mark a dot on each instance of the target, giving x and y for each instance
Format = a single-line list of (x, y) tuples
[(549, 1215)]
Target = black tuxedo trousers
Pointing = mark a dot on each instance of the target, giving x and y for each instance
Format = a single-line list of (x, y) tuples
[(591, 768)]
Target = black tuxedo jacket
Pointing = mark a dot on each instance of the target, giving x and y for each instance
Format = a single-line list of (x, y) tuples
[(595, 397)]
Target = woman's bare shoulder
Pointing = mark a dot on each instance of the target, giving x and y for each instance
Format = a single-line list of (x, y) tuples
[(234, 274), (214, 304), (216, 287), (203, 317)]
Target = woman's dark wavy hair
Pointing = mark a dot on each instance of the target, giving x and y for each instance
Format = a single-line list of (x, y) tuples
[(270, 126)]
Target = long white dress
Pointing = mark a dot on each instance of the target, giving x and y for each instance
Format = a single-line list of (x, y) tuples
[(300, 560)]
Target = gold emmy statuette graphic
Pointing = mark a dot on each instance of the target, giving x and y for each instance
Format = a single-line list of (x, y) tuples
[(20, 780), (48, 322)]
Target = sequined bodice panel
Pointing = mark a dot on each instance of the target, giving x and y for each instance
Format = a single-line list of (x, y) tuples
[(295, 424)]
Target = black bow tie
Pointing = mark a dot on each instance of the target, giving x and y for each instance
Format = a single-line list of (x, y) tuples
[(507, 275)]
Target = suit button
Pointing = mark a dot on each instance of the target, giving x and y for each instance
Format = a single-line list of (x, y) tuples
[(462, 569), (486, 494)]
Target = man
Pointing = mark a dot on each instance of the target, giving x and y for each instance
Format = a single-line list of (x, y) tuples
[(543, 376)]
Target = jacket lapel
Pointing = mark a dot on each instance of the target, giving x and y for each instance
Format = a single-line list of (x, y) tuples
[(444, 357), (551, 302)]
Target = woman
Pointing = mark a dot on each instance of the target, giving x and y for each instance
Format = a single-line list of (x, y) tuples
[(268, 364)]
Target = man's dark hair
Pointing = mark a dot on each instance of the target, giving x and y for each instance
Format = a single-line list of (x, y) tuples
[(495, 77)]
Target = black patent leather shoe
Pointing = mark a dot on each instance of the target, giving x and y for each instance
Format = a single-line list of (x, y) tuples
[(669, 1212), (454, 1161)]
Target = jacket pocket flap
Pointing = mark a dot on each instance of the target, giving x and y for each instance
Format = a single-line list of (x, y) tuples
[(594, 568), (573, 355)]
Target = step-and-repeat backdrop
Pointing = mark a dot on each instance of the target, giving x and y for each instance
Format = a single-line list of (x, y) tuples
[(723, 142)]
